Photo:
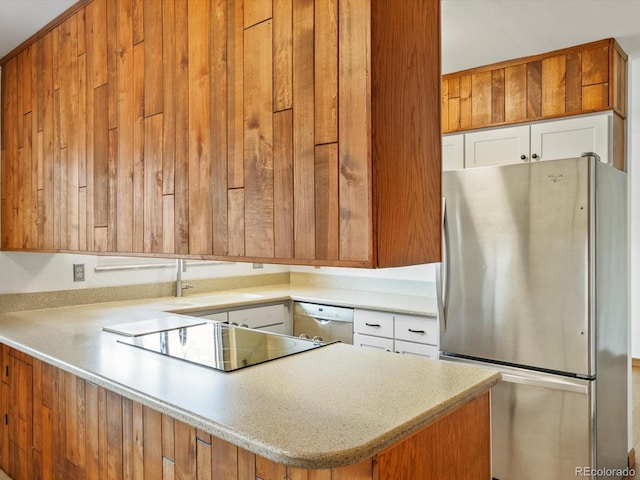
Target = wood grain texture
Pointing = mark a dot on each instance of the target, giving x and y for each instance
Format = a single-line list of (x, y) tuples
[(356, 205), (283, 183), (235, 108), (407, 166), (200, 219), (326, 202), (534, 90), (182, 96), (573, 83), (258, 141), (125, 120), (79, 158), (515, 109), (481, 99), (153, 55), (497, 95), (236, 222), (256, 11), (455, 446), (303, 138), (282, 55), (153, 200), (219, 121), (326, 71), (595, 65), (553, 78), (555, 84)]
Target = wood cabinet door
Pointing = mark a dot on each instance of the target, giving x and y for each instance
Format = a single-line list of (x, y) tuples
[(452, 152), (501, 146), (571, 137)]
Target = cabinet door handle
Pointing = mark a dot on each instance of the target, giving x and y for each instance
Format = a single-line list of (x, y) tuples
[(535, 155), (374, 325), (421, 332), (523, 157)]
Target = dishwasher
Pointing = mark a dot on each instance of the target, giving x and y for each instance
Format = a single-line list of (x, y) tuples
[(323, 323)]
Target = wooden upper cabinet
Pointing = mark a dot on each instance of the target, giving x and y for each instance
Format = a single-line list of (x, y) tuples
[(276, 131), (582, 79)]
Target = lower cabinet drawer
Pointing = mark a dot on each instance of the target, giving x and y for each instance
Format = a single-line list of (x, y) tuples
[(420, 349), (417, 329), (369, 322), (373, 342)]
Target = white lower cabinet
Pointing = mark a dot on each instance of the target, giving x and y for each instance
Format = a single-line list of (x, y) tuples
[(258, 317), (275, 318), (405, 334), (369, 341)]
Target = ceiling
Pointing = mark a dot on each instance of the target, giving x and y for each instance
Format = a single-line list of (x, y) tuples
[(474, 32)]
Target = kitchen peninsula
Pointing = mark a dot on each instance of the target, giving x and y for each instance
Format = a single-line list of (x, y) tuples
[(79, 403)]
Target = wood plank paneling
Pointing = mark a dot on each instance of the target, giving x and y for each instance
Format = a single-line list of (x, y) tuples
[(219, 122), (126, 115), (481, 99), (283, 183), (465, 102), (303, 139), (200, 220), (326, 71), (595, 65), (326, 202), (573, 83), (152, 421), (153, 203), (236, 222), (235, 109), (515, 93), (138, 153), (153, 55), (497, 95), (256, 11), (282, 55), (555, 84), (355, 132), (258, 143), (553, 77), (181, 172), (87, 89), (534, 89)]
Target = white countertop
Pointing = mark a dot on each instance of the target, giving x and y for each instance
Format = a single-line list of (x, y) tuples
[(328, 407)]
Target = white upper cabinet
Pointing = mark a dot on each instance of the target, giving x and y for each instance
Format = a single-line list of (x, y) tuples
[(571, 137), (499, 146), (453, 152), (549, 140)]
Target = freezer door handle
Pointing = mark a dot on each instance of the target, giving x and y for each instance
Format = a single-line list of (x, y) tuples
[(556, 383), (442, 272)]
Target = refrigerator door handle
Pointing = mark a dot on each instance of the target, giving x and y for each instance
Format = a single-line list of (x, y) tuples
[(442, 272), (556, 383)]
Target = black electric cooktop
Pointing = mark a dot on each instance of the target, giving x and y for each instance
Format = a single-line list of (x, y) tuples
[(221, 346)]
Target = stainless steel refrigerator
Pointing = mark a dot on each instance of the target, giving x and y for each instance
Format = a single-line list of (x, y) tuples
[(533, 282)]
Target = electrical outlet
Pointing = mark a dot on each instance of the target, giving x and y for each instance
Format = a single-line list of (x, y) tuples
[(257, 265), (78, 272)]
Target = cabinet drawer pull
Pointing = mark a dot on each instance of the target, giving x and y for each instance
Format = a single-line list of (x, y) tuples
[(421, 332), (374, 325)]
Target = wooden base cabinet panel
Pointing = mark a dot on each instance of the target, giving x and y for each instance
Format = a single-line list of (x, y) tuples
[(82, 431)]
